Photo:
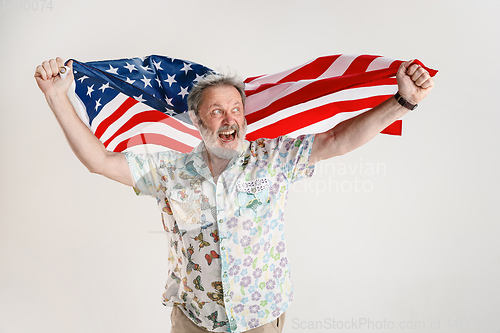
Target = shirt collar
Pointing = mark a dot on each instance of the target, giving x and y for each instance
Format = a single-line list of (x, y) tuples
[(241, 157), (201, 166)]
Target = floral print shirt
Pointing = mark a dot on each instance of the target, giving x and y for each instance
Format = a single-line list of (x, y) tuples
[(228, 269)]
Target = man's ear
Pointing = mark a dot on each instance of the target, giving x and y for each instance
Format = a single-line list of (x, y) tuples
[(194, 119)]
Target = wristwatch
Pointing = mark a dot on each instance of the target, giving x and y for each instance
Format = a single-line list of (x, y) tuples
[(404, 102)]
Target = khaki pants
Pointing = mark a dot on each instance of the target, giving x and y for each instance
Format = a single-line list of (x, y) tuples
[(182, 324)]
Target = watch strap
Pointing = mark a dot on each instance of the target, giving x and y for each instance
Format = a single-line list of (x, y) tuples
[(404, 102)]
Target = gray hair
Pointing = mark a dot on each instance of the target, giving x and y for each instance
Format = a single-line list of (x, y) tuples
[(211, 79)]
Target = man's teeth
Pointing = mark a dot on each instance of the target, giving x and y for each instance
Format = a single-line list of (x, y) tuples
[(228, 132)]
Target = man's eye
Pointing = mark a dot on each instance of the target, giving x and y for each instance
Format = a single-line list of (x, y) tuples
[(236, 110), (216, 112)]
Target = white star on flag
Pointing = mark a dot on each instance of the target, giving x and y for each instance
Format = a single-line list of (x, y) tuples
[(169, 100), (90, 90), (184, 92), (97, 104), (130, 67), (112, 70), (104, 87), (146, 82), (157, 65), (170, 80), (139, 98), (198, 78), (85, 77), (186, 68)]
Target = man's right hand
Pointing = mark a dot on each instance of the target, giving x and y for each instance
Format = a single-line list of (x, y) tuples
[(48, 79), (89, 150)]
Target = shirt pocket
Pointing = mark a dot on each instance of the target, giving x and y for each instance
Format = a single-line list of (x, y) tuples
[(186, 208), (253, 197)]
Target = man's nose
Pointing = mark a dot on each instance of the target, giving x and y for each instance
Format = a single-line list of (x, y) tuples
[(229, 119)]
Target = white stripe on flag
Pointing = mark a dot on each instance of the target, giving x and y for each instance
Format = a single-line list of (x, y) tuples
[(338, 67), (380, 63)]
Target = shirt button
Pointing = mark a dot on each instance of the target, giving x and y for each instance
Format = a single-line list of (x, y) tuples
[(223, 248)]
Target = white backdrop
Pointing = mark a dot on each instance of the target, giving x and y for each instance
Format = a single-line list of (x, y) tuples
[(399, 235)]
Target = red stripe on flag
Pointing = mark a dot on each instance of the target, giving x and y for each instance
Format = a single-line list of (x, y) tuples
[(310, 71), (396, 128), (250, 79), (396, 64), (392, 81), (153, 138), (432, 72), (360, 64), (120, 111)]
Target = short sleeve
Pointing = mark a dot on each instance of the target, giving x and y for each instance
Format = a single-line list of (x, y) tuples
[(294, 155), (149, 171)]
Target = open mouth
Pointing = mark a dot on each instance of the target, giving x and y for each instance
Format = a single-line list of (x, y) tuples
[(227, 136)]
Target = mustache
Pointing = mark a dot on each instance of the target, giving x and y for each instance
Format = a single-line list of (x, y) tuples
[(227, 128)]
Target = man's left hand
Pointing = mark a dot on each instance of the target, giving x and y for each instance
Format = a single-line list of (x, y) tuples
[(414, 82)]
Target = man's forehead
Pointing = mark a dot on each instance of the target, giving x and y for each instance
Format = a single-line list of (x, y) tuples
[(218, 104), (221, 95)]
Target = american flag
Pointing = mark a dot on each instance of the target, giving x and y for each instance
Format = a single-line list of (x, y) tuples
[(140, 104)]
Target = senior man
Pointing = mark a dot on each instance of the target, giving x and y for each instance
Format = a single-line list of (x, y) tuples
[(223, 204)]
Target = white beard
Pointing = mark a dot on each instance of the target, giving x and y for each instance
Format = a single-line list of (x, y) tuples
[(212, 143)]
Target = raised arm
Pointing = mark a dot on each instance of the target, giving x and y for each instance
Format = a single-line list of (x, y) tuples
[(414, 83), (89, 150)]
